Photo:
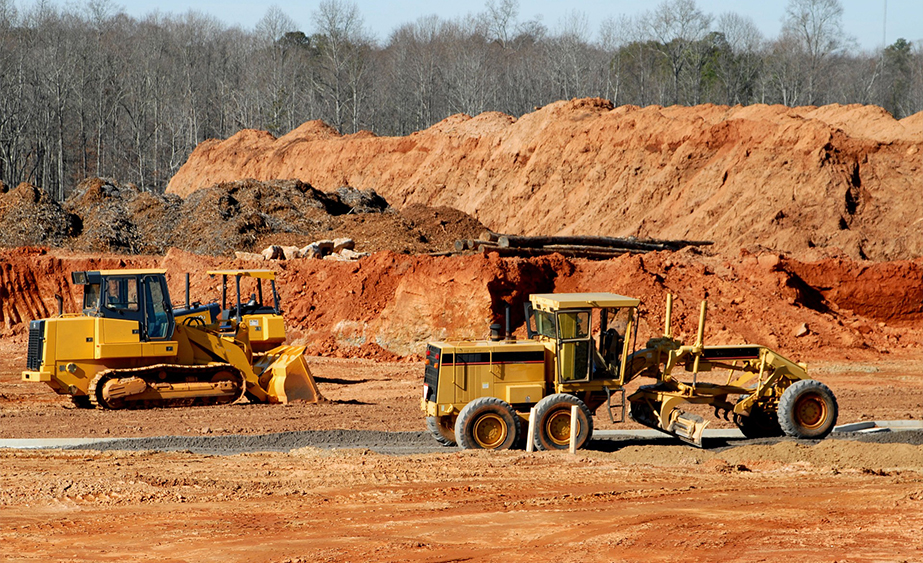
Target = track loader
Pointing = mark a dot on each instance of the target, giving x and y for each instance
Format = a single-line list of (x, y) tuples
[(129, 348), (481, 394)]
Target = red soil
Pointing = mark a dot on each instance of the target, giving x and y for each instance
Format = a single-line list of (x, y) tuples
[(389, 304), (809, 182)]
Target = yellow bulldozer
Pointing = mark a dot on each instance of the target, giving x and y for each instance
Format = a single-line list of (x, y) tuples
[(128, 347), (481, 394)]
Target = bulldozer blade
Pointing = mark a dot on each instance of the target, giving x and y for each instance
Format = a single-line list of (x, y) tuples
[(290, 378), (687, 427)]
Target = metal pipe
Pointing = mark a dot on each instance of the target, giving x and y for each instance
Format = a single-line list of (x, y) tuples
[(224, 292), (239, 316), (506, 333), (667, 330), (187, 291), (60, 301), (275, 297), (700, 336)]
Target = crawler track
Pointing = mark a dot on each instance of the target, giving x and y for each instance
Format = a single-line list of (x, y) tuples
[(161, 378)]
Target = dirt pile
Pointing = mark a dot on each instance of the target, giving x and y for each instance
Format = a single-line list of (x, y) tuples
[(811, 182), (390, 304), (102, 215), (29, 216)]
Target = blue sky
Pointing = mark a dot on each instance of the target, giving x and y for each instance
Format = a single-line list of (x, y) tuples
[(862, 19)]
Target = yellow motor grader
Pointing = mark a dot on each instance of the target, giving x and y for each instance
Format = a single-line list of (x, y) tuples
[(481, 394), (129, 348)]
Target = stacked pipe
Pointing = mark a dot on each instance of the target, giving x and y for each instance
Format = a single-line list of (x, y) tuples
[(598, 248)]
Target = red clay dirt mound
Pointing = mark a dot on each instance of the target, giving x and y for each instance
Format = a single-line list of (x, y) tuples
[(391, 304), (811, 182)]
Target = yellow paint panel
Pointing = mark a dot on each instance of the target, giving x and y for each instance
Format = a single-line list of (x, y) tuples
[(67, 339), (524, 393), (160, 349), (117, 331), (263, 328), (105, 351)]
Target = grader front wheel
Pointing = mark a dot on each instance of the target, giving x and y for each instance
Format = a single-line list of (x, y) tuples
[(760, 423), (807, 410)]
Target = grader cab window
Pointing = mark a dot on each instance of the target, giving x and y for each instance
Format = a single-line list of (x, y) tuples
[(612, 338), (544, 324), (573, 345)]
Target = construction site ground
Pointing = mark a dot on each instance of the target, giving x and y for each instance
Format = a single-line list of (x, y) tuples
[(836, 500)]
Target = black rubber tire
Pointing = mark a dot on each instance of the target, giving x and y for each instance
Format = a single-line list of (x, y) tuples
[(808, 410), (759, 424), (552, 422), (443, 434), (487, 423)]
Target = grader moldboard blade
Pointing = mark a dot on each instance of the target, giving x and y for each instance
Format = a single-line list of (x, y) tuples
[(285, 377)]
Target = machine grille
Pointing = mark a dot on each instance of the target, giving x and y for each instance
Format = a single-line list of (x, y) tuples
[(36, 339)]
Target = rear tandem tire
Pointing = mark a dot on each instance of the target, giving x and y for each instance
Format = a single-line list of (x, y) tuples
[(442, 429), (487, 423), (552, 422), (808, 410)]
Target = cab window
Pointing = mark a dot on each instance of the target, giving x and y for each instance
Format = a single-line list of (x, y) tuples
[(544, 323), (121, 294), (91, 296), (573, 325)]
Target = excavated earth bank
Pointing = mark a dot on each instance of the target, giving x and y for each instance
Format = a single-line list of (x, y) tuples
[(390, 304), (810, 182)]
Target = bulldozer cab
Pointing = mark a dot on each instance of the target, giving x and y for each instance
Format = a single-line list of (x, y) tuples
[(132, 295), (590, 332)]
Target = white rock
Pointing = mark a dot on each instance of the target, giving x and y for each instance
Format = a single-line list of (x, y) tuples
[(273, 252), (341, 243), (291, 252)]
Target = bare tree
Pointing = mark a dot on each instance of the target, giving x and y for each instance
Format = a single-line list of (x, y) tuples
[(344, 45), (738, 64), (815, 28), (499, 19), (680, 28)]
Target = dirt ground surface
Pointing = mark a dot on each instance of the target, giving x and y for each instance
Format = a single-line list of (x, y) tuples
[(837, 500)]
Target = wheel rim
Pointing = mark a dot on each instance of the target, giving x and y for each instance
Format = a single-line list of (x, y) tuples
[(811, 411), (557, 427), (490, 431)]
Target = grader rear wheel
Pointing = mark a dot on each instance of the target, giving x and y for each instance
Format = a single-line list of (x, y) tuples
[(553, 420), (808, 410), (487, 423)]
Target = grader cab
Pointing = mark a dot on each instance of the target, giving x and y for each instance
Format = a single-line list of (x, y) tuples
[(580, 352)]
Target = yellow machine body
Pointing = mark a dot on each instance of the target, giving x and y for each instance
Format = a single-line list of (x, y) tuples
[(579, 353), (130, 349)]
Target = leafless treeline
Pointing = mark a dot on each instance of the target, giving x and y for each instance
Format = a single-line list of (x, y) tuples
[(90, 91)]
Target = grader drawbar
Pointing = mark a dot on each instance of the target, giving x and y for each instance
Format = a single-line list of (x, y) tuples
[(129, 348), (481, 394)]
